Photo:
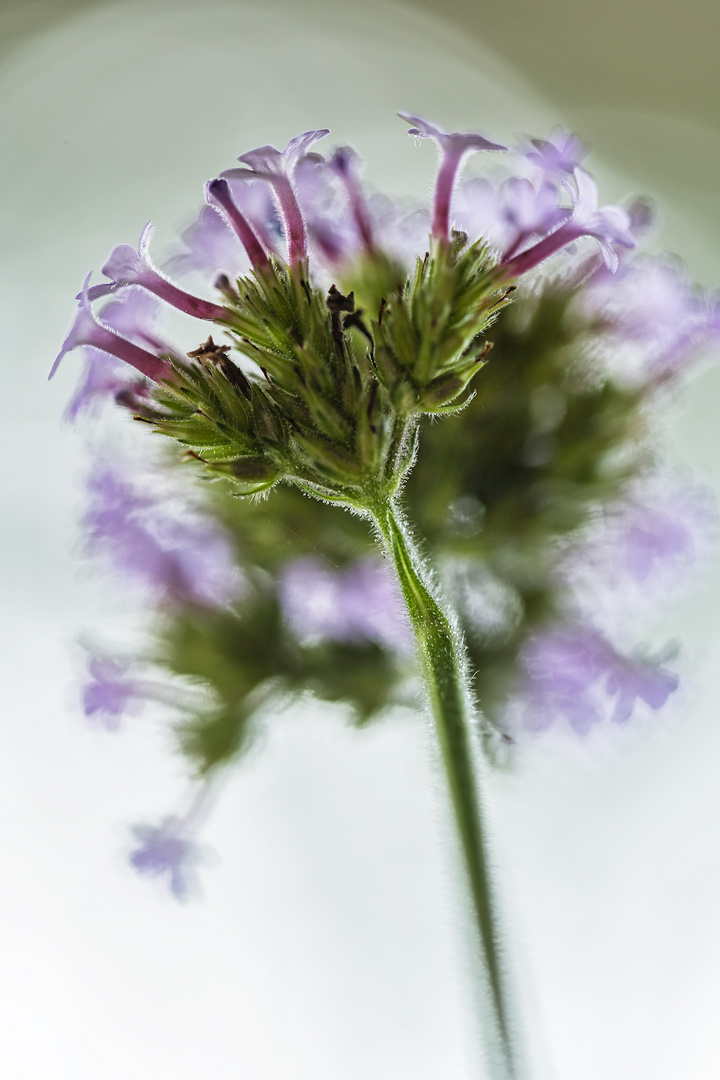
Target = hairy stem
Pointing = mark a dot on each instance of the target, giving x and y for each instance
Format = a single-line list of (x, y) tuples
[(441, 657)]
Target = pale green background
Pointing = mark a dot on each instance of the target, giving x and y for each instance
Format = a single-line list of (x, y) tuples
[(331, 942)]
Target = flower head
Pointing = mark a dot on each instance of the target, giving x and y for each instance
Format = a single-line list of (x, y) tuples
[(575, 673), (180, 557)]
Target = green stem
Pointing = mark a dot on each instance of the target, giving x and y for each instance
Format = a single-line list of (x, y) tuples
[(441, 656)]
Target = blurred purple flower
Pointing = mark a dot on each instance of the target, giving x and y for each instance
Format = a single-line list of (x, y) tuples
[(361, 603), (571, 671), (218, 193), (209, 246), (528, 211), (558, 155), (186, 560), (166, 850), (110, 692), (653, 306), (323, 200), (648, 538), (629, 681)]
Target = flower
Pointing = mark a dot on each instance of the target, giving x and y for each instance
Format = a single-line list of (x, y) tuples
[(629, 681), (86, 330), (164, 849), (558, 155), (360, 603), (453, 148), (110, 692), (126, 266), (568, 671), (183, 558), (609, 225), (218, 191), (277, 167), (104, 376)]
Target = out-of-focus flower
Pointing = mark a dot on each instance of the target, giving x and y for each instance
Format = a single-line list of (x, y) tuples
[(110, 692), (573, 672), (557, 156), (359, 603), (609, 225), (167, 850), (183, 558)]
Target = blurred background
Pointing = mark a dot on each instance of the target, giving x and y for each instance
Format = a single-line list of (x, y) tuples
[(331, 937)]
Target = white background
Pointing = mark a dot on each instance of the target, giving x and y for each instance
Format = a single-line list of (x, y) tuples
[(330, 942)]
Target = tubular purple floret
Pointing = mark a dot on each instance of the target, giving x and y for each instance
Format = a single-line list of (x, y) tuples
[(277, 167), (608, 225), (343, 164), (453, 147), (129, 267), (218, 192), (86, 330)]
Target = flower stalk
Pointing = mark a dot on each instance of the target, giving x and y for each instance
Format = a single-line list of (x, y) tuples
[(441, 658)]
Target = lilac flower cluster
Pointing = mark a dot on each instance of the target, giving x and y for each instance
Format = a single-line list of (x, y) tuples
[(301, 202), (303, 219)]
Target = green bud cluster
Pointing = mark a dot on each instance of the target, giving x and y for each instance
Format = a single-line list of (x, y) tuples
[(339, 388)]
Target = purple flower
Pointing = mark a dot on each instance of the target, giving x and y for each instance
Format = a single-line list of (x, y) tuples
[(360, 604), (104, 375), (629, 681), (110, 692), (558, 155), (561, 667), (571, 671), (218, 191), (323, 198), (344, 162), (649, 537), (210, 246), (126, 266), (86, 330), (653, 305), (185, 560), (278, 167), (609, 225), (453, 148), (166, 850), (528, 211)]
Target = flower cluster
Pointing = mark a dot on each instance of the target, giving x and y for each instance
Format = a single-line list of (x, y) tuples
[(341, 324)]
